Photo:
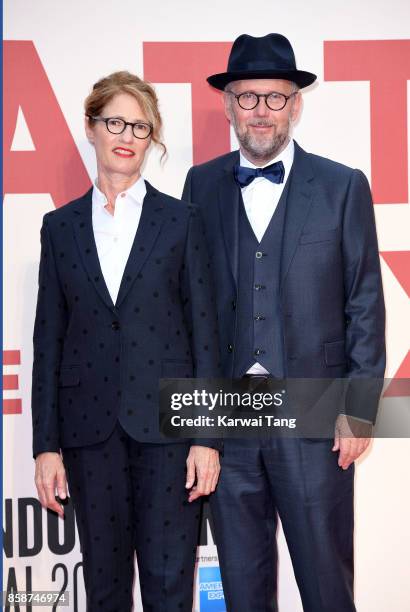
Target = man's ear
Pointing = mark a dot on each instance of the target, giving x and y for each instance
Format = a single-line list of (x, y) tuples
[(227, 105), (89, 132), (297, 104)]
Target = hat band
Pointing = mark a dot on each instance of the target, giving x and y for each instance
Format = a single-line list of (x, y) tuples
[(261, 65)]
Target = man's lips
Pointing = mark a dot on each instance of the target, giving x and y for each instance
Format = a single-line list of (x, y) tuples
[(260, 126), (123, 152)]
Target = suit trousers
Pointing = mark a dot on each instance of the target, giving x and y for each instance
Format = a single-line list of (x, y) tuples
[(300, 480), (130, 497)]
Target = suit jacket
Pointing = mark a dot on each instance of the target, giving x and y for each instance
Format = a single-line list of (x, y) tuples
[(95, 361), (331, 295)]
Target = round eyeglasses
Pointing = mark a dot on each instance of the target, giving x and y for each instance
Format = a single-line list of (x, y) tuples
[(273, 100), (115, 125)]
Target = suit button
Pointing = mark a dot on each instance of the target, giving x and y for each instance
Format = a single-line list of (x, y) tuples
[(258, 254), (233, 305), (259, 318), (258, 352), (230, 348), (115, 325), (259, 287)]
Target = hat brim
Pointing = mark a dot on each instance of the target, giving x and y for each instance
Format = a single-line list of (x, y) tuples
[(300, 77)]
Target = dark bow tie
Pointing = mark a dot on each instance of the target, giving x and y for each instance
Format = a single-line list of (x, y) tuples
[(274, 173)]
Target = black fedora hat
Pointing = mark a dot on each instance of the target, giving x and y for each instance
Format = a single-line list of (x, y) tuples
[(266, 57)]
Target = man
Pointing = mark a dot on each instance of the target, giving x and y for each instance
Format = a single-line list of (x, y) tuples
[(299, 295)]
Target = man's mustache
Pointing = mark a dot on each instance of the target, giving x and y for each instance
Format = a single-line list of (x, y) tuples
[(260, 123)]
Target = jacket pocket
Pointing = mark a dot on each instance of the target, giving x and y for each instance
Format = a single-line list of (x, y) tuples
[(335, 353), (69, 376), (321, 236), (177, 368)]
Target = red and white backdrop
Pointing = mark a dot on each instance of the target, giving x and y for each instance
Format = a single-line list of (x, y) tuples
[(357, 113)]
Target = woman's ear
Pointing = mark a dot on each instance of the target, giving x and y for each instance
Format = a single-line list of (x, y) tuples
[(89, 132)]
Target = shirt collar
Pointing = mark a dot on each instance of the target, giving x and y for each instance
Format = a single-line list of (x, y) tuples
[(136, 192), (286, 156)]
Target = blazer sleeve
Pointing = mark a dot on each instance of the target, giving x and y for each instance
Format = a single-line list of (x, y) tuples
[(198, 297), (49, 330), (364, 303)]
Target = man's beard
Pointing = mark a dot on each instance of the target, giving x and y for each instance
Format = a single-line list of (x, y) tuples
[(262, 147)]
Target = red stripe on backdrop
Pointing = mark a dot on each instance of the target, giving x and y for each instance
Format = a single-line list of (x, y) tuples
[(193, 62), (400, 385), (386, 65), (399, 263), (12, 406), (11, 358), (55, 167), (10, 382)]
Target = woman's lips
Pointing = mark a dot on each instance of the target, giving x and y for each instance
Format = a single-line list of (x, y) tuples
[(123, 152)]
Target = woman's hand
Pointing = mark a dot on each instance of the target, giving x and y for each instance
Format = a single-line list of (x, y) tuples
[(202, 463), (50, 476)]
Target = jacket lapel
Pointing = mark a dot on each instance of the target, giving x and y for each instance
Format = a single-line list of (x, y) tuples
[(148, 230), (229, 199), (298, 205), (83, 231)]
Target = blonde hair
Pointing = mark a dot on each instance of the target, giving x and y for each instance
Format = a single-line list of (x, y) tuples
[(123, 81)]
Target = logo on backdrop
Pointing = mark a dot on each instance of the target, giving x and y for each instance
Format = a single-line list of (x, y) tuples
[(25, 536), (29, 94), (211, 595)]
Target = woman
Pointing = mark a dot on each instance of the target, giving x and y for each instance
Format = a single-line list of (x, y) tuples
[(124, 299)]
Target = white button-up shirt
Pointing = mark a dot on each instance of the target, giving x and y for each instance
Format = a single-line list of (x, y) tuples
[(260, 199), (114, 234)]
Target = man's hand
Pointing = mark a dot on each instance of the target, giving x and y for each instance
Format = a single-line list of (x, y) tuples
[(202, 463), (50, 475), (352, 437)]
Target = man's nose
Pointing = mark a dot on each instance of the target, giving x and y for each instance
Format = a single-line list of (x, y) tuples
[(261, 109)]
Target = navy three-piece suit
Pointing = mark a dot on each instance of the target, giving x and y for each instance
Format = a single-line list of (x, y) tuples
[(305, 302), (95, 393)]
